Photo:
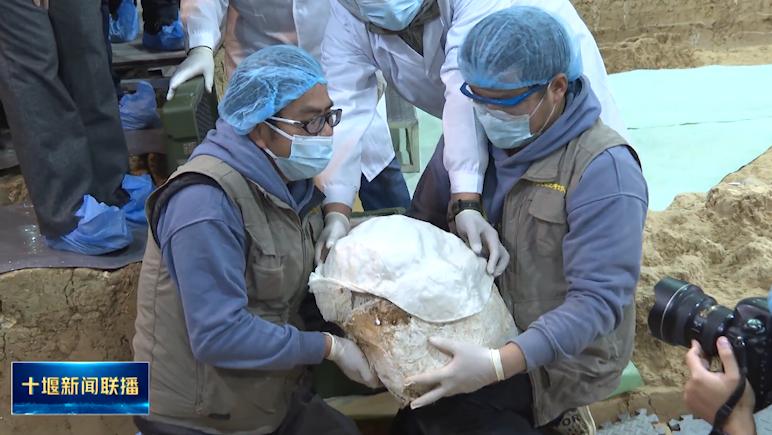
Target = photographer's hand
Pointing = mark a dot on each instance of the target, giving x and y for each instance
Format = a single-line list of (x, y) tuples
[(706, 391)]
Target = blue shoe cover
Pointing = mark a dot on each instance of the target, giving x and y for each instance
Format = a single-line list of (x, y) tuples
[(125, 27), (101, 229), (169, 38), (138, 110), (138, 187)]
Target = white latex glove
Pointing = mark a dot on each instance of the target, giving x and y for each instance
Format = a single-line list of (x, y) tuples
[(200, 62), (346, 354), (336, 226), (472, 367), (472, 226), (42, 4)]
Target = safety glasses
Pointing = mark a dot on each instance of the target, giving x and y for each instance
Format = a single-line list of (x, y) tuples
[(315, 125), (504, 102)]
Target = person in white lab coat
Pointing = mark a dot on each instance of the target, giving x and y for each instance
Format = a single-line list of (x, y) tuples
[(250, 25), (414, 44)]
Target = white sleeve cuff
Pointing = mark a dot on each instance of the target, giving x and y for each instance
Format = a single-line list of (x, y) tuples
[(337, 193), (465, 182), (201, 38)]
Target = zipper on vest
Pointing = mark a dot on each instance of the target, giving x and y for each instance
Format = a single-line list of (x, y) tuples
[(301, 222), (505, 229)]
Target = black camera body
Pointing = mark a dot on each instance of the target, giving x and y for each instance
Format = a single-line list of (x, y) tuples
[(683, 312)]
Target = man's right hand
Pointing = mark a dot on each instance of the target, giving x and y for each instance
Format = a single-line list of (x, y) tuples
[(200, 61), (472, 227), (706, 391), (346, 354)]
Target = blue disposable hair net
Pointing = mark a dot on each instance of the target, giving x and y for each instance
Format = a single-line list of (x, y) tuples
[(266, 82), (518, 47)]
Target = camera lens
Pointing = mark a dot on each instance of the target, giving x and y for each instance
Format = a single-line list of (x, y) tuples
[(683, 312)]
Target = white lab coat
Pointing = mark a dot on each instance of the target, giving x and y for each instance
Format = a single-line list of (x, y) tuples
[(351, 55), (254, 24)]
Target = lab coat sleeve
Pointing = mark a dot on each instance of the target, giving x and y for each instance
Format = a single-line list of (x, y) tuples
[(202, 20), (352, 84), (466, 150)]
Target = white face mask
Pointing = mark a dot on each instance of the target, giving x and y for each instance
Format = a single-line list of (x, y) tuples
[(309, 155), (392, 15), (508, 131)]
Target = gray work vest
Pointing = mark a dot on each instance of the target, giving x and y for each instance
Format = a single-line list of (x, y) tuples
[(279, 259), (533, 225)]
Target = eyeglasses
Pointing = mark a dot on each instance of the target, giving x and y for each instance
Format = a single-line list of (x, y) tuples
[(315, 125), (505, 102)]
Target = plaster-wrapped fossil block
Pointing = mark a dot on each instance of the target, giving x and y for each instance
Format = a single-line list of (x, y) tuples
[(393, 282)]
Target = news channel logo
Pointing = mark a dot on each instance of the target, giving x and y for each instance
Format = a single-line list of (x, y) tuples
[(80, 388)]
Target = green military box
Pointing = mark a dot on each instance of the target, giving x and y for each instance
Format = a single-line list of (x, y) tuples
[(186, 120)]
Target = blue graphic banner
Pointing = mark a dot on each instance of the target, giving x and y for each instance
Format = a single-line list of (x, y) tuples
[(46, 388)]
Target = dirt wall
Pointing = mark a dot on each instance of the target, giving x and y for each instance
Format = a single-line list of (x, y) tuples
[(65, 315), (638, 34)]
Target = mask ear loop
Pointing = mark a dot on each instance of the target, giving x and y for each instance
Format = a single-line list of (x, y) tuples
[(552, 112), (281, 132)]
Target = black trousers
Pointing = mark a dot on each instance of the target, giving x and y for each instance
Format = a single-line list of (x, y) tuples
[(503, 408), (308, 415), (61, 106), (158, 13), (105, 9)]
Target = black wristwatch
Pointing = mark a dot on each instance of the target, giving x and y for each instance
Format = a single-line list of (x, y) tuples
[(461, 205)]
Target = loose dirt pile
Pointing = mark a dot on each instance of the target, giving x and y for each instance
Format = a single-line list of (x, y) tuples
[(721, 241)]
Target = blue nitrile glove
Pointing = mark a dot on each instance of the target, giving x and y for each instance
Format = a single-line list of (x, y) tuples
[(101, 229)]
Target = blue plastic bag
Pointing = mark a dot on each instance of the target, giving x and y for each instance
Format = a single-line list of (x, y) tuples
[(169, 38), (125, 26), (138, 110), (101, 229), (139, 188)]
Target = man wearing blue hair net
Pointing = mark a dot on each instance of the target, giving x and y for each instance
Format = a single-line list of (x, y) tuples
[(245, 26), (414, 44), (569, 201), (228, 257)]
